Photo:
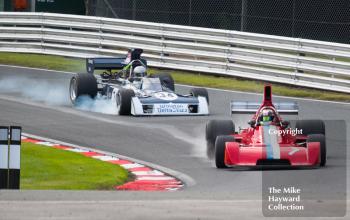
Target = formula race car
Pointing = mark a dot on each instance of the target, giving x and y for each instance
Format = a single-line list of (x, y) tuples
[(134, 92), (268, 140)]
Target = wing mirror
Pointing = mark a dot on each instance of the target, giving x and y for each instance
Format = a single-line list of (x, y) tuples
[(285, 124), (251, 123)]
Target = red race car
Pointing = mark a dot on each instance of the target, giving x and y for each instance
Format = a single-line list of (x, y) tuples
[(269, 140)]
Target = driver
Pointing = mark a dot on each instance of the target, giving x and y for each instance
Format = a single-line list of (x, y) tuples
[(139, 71), (266, 117)]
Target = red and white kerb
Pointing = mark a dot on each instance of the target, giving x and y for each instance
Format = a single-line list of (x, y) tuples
[(146, 178)]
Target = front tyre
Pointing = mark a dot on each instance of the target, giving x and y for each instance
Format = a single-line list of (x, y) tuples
[(323, 151), (166, 80), (220, 146), (200, 92), (82, 84), (124, 98), (215, 128), (311, 126)]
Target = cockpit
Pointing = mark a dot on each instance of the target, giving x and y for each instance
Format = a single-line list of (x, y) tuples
[(151, 84), (267, 115)]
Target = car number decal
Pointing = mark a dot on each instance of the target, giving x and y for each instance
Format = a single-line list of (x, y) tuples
[(165, 96)]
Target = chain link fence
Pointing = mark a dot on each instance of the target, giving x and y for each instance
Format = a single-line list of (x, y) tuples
[(327, 20)]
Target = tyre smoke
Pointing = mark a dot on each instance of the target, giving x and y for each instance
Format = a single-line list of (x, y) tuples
[(51, 93), (98, 104)]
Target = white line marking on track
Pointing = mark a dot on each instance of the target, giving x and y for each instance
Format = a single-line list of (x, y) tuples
[(215, 89), (105, 158), (259, 94), (131, 165), (46, 143), (77, 150), (156, 178), (145, 173)]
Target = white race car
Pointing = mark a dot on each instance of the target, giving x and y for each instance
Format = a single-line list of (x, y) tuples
[(133, 92)]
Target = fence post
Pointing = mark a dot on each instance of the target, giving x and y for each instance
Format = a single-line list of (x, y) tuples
[(15, 157), (4, 153)]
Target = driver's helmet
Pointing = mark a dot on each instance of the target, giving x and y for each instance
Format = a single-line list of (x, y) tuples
[(140, 71), (267, 115)]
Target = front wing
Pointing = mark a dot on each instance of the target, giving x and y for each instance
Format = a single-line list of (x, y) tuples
[(188, 106), (288, 155)]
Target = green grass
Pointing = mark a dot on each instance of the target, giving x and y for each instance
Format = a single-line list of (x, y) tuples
[(181, 77), (43, 61), (235, 84), (45, 167)]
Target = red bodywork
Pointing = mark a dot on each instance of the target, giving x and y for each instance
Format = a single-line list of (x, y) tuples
[(267, 145)]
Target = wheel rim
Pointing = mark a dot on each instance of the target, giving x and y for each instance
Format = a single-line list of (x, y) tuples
[(73, 90), (118, 102)]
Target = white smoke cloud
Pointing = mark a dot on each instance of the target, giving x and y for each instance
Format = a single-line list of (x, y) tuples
[(36, 89), (99, 104), (53, 92)]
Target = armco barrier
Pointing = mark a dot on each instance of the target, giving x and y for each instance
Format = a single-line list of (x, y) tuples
[(294, 61)]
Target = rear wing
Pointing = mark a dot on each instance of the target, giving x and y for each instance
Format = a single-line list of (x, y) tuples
[(93, 64), (290, 108), (112, 63)]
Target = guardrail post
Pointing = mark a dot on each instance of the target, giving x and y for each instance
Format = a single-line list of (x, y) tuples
[(100, 38), (162, 54), (42, 32), (4, 153), (15, 157)]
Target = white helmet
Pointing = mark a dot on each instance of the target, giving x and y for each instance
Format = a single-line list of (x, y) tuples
[(139, 71), (267, 115)]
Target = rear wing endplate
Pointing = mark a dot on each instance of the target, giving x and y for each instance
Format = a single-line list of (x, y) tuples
[(252, 107)]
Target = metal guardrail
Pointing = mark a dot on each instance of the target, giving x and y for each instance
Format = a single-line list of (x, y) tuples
[(308, 63)]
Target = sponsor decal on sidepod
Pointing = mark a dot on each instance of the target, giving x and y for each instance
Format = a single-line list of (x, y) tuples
[(171, 108)]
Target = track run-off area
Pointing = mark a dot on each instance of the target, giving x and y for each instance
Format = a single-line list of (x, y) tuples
[(38, 101)]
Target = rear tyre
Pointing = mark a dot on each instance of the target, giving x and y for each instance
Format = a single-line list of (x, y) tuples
[(215, 128), (311, 126), (82, 84), (124, 98), (220, 145), (200, 92), (166, 80), (323, 152)]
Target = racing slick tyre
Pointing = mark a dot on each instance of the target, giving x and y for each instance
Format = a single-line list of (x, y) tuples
[(166, 80), (124, 98), (200, 92), (220, 145), (323, 152), (311, 126), (215, 128), (82, 84)]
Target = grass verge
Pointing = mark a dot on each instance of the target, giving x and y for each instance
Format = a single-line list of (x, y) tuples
[(181, 77), (45, 167)]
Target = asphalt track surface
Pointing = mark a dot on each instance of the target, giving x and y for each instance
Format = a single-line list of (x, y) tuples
[(37, 100)]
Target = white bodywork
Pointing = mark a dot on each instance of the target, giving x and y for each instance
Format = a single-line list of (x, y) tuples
[(167, 106), (170, 108)]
